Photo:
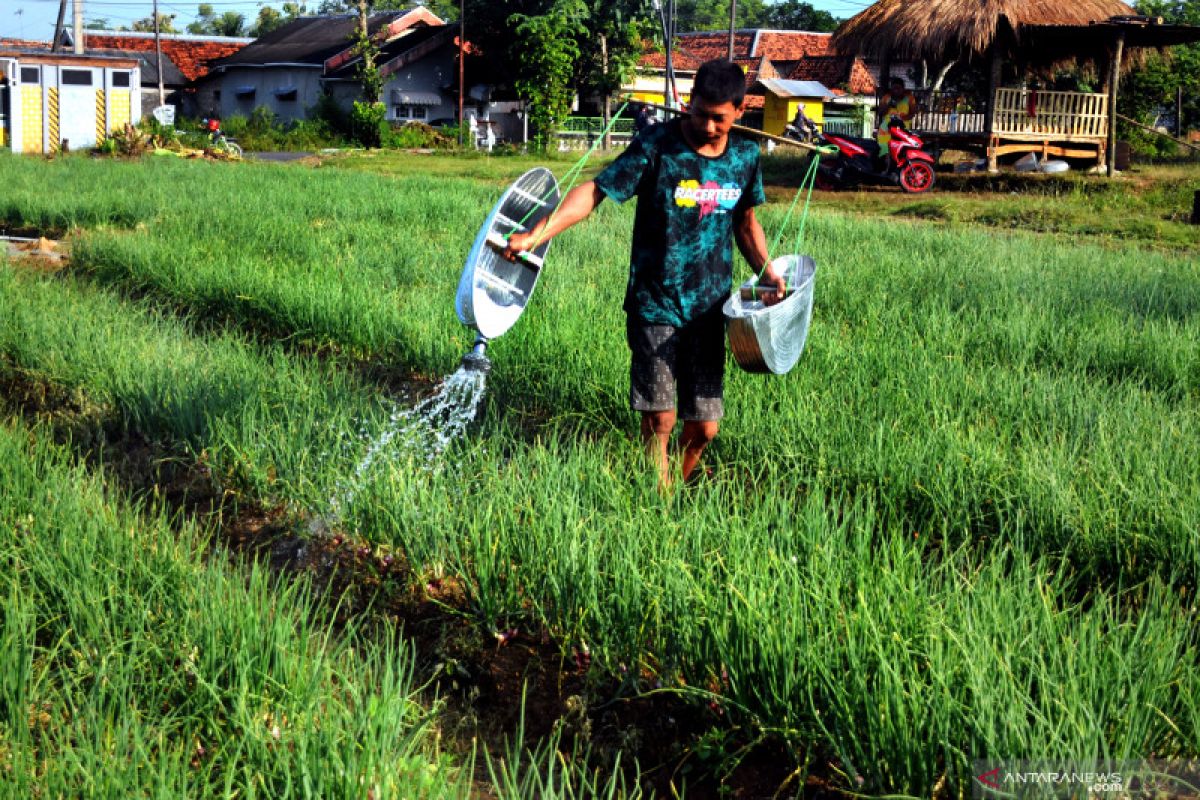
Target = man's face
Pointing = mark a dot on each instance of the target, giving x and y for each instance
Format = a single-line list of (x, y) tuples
[(710, 124)]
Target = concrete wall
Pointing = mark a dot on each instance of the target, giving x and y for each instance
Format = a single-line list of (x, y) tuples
[(426, 76), (266, 82), (46, 113)]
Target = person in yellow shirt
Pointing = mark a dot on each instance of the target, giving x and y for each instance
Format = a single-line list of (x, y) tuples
[(898, 101)]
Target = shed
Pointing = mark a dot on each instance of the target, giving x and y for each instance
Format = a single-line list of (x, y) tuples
[(1029, 34), (53, 100), (782, 97)]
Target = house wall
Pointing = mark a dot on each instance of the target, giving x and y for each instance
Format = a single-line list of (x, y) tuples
[(427, 75), (48, 111), (779, 111), (305, 80)]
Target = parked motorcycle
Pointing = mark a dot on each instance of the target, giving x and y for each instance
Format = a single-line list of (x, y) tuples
[(860, 161)]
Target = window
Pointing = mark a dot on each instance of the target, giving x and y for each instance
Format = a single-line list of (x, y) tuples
[(120, 80), (76, 77), (31, 75), (409, 112)]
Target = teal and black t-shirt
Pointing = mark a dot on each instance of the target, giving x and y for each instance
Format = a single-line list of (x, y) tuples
[(681, 264)]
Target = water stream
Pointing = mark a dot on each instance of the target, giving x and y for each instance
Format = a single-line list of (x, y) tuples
[(424, 430)]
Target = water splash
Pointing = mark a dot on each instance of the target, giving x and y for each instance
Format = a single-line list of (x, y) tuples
[(425, 430)]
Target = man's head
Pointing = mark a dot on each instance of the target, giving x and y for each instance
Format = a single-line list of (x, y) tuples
[(718, 96), (897, 86)]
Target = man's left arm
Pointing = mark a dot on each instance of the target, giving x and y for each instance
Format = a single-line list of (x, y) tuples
[(752, 244)]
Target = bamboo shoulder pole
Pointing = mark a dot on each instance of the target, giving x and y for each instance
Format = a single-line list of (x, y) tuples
[(742, 129)]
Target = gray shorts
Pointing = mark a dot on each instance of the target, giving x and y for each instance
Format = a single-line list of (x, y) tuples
[(669, 362)]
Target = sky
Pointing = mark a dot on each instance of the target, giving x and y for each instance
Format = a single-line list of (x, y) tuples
[(34, 19)]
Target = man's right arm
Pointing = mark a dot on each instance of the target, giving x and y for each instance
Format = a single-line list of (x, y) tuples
[(576, 206)]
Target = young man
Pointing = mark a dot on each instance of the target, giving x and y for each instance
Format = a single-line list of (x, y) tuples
[(697, 185)]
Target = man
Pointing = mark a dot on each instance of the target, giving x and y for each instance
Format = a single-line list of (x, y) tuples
[(898, 101), (697, 185)]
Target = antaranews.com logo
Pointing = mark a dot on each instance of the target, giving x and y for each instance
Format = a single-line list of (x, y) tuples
[(1110, 780)]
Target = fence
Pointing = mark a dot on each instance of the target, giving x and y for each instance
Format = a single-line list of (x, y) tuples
[(1074, 115), (579, 133), (948, 112)]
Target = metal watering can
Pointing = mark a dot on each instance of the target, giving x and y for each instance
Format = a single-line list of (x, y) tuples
[(493, 292)]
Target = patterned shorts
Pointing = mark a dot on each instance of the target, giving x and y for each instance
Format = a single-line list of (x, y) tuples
[(687, 362)]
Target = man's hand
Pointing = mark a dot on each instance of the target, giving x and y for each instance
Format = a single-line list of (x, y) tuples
[(519, 243), (773, 285)]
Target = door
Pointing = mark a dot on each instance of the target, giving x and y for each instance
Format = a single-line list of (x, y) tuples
[(81, 106)]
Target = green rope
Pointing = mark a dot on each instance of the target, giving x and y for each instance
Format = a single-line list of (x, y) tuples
[(807, 183), (575, 171)]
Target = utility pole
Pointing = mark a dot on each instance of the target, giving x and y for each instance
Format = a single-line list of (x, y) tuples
[(732, 25), (162, 96), (79, 48), (462, 51), (58, 26)]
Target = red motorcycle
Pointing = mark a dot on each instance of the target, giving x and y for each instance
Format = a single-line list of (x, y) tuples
[(860, 161)]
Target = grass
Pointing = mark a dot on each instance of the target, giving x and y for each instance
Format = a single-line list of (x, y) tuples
[(131, 664), (962, 528)]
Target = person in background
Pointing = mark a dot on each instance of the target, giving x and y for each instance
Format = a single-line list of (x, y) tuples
[(697, 183), (643, 119), (898, 101)]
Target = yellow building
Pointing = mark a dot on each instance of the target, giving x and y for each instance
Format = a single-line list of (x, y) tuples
[(48, 100), (781, 99)]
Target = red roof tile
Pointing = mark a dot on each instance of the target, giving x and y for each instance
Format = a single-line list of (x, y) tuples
[(191, 55)]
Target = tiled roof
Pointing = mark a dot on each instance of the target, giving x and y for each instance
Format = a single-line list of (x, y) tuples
[(191, 54), (415, 44), (791, 44), (837, 72), (313, 40)]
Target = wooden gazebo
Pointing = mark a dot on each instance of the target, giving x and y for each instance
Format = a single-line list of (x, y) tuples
[(1032, 34)]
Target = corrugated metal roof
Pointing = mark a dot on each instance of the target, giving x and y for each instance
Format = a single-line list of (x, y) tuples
[(786, 88)]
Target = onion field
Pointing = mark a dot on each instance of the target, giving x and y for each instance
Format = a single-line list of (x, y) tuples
[(965, 527)]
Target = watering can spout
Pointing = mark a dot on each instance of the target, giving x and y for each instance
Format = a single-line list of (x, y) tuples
[(476, 360)]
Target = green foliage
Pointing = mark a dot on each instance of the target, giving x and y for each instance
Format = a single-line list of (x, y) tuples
[(208, 22), (268, 20), (548, 44), (166, 24), (797, 15), (1149, 93), (368, 123)]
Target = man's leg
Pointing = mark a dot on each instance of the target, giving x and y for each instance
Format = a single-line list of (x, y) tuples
[(656, 435), (701, 370), (695, 437)]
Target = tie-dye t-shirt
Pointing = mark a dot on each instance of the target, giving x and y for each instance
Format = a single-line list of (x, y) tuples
[(682, 257)]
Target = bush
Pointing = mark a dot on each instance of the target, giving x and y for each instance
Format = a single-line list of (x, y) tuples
[(369, 124)]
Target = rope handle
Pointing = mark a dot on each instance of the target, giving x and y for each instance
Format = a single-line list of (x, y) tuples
[(807, 183)]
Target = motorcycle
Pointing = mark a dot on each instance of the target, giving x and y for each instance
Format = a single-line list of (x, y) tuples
[(860, 161)]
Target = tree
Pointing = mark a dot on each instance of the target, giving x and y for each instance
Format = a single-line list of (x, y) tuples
[(268, 20), (97, 24), (545, 72), (166, 24), (798, 16), (208, 23), (1149, 92)]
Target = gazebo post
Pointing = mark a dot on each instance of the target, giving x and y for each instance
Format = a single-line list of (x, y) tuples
[(1114, 82), (990, 126)]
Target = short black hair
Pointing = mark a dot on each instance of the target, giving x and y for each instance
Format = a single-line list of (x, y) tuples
[(720, 81), (897, 79)]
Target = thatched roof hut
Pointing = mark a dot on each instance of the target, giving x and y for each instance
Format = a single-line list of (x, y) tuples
[(942, 29)]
